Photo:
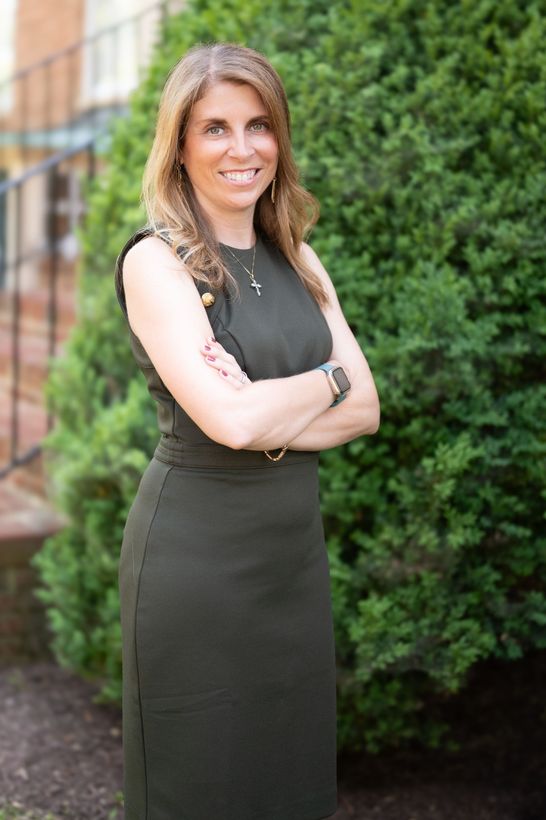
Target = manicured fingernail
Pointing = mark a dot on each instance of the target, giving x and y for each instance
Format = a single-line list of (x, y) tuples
[(207, 347), (223, 372), (211, 339), (211, 358)]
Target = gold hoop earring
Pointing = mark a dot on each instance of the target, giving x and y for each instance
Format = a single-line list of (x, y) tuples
[(273, 190)]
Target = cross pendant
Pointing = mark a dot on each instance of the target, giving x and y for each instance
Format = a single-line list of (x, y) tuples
[(257, 287)]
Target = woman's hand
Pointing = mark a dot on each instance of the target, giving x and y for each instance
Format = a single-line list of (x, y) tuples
[(224, 363)]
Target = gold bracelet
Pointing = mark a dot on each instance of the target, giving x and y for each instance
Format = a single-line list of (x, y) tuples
[(277, 458)]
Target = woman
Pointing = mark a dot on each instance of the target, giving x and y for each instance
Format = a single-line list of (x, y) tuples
[(229, 706)]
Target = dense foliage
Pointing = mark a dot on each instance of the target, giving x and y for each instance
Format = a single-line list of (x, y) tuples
[(419, 125)]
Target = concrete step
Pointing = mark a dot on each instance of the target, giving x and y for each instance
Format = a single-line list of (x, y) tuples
[(32, 426), (25, 520), (31, 423), (33, 369), (34, 312), (64, 269), (31, 477), (33, 364)]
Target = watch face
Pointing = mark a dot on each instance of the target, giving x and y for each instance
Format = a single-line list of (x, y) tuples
[(341, 379)]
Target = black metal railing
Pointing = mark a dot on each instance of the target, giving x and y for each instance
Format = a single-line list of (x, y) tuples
[(32, 260), (50, 255)]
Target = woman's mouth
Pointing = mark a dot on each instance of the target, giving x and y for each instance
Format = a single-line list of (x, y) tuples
[(240, 177)]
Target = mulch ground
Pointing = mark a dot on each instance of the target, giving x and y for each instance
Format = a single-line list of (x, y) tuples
[(60, 753)]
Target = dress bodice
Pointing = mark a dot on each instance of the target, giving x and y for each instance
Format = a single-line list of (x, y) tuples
[(280, 333)]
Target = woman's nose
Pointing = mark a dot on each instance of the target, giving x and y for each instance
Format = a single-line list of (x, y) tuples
[(241, 144)]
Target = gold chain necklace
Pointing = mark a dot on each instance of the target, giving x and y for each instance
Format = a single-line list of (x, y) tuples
[(253, 284), (257, 287)]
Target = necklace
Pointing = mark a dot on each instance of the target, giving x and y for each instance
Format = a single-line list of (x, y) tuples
[(253, 284)]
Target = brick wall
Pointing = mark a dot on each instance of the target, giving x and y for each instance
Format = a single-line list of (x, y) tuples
[(43, 28)]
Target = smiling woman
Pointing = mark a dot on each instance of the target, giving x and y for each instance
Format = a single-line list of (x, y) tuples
[(229, 678)]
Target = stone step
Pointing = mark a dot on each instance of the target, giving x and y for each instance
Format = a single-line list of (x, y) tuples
[(32, 426), (25, 519), (33, 364), (31, 477), (31, 423), (25, 522), (66, 270), (34, 312)]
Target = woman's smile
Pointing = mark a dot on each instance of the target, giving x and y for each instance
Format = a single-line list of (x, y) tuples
[(241, 177)]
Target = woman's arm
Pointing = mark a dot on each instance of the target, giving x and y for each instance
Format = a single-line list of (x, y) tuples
[(359, 413), (167, 315)]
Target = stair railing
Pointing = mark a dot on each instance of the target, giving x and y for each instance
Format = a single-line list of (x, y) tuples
[(71, 139), (18, 195)]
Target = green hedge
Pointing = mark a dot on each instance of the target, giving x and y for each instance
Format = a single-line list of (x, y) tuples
[(419, 126)]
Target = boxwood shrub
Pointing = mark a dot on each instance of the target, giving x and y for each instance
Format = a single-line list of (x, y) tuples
[(419, 125)]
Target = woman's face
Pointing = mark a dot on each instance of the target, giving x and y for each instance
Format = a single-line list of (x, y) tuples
[(229, 152)]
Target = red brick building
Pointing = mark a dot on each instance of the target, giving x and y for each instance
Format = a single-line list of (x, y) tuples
[(67, 68)]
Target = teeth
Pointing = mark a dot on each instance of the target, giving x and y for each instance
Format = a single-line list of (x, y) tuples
[(236, 176)]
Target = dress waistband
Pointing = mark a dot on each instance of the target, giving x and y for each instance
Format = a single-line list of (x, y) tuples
[(172, 450)]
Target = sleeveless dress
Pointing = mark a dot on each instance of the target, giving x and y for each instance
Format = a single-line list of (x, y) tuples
[(229, 685)]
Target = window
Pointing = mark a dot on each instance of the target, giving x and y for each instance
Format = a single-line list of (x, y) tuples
[(7, 54), (120, 32)]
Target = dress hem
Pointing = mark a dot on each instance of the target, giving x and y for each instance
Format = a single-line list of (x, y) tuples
[(304, 810)]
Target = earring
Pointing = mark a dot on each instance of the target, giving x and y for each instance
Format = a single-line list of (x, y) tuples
[(273, 190), (179, 170)]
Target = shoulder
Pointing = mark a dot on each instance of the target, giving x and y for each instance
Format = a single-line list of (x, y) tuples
[(311, 259), (144, 238), (156, 284), (151, 258), (308, 253), (134, 240), (147, 247)]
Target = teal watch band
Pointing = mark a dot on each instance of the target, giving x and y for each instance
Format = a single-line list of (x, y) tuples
[(336, 389)]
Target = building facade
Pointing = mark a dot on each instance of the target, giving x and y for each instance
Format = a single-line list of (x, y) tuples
[(67, 67)]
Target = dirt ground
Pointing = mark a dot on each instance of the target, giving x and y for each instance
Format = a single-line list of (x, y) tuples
[(60, 754)]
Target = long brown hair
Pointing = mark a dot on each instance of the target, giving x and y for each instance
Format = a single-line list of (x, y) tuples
[(172, 207)]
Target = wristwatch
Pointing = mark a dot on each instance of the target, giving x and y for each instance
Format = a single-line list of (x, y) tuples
[(338, 381)]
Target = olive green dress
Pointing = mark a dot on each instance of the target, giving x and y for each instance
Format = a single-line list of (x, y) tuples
[(229, 688)]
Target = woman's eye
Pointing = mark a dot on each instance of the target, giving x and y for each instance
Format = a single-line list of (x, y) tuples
[(215, 130), (259, 126)]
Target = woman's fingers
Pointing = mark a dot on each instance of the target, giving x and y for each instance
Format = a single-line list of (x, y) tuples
[(224, 363), (217, 357), (211, 348), (237, 381)]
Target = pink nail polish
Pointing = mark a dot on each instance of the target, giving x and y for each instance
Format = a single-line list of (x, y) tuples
[(211, 358), (211, 339), (207, 347), (223, 372)]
